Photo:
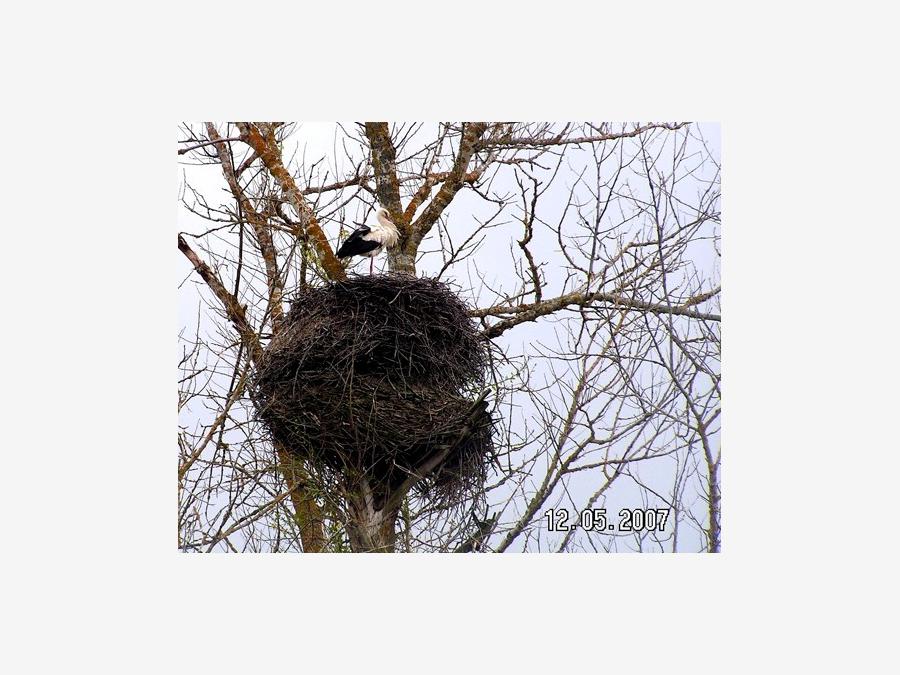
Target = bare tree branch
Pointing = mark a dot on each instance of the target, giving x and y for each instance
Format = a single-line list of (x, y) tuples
[(562, 139), (236, 313), (260, 228), (472, 133), (267, 149), (535, 310)]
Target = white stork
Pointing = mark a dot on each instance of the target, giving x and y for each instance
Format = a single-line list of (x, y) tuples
[(370, 240)]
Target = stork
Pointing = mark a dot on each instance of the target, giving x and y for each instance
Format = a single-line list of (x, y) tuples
[(371, 240)]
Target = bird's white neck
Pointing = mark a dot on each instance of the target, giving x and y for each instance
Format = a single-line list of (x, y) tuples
[(384, 221), (390, 234)]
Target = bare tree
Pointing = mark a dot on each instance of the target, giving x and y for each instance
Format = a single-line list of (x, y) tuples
[(589, 255)]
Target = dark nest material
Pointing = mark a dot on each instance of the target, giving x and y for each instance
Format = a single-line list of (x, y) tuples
[(379, 377)]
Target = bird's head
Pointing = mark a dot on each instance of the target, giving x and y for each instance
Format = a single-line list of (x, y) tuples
[(383, 216)]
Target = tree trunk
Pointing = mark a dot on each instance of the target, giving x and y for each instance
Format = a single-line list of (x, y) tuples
[(307, 513), (371, 530), (403, 261)]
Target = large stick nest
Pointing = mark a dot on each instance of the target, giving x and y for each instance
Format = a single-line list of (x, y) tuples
[(376, 377)]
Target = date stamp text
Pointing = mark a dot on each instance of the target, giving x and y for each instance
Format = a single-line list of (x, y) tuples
[(597, 520)]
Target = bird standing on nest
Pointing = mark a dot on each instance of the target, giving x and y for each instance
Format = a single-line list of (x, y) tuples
[(371, 240)]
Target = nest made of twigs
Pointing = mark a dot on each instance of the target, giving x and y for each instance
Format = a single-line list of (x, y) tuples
[(378, 376)]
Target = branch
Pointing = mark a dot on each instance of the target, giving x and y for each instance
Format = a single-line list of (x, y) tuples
[(560, 139), (307, 512), (528, 221), (238, 391), (475, 411), (384, 162), (359, 179), (260, 229), (233, 309), (268, 151), (205, 143), (468, 145), (535, 310), (483, 529), (387, 188)]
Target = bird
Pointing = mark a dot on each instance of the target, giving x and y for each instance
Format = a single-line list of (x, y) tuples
[(370, 240)]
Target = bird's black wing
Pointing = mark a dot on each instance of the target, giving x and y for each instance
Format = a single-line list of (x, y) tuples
[(356, 245)]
